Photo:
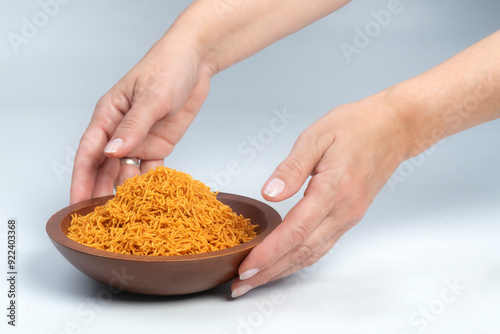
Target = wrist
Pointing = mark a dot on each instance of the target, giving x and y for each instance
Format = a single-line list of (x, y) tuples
[(419, 130), (390, 114), (200, 36), (224, 34), (186, 47), (454, 96)]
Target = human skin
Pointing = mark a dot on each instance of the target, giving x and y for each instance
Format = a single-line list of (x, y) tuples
[(353, 150), (147, 112), (350, 152)]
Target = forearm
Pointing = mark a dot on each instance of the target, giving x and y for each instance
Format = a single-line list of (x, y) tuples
[(224, 32), (460, 93)]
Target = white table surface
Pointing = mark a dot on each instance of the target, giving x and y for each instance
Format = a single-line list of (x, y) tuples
[(424, 259)]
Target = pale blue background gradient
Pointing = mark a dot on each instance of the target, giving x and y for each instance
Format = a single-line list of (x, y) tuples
[(441, 226)]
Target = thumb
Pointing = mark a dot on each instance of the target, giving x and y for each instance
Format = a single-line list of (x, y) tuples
[(132, 130), (291, 174)]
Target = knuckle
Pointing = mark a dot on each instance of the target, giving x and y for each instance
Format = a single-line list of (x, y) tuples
[(87, 147), (315, 139), (308, 137), (301, 254), (312, 259), (112, 101), (107, 123), (292, 167), (356, 206), (130, 124), (86, 154), (299, 234), (109, 111), (356, 213), (323, 185), (305, 137), (104, 101), (266, 277)]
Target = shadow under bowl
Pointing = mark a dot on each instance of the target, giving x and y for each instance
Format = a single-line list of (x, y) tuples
[(161, 275)]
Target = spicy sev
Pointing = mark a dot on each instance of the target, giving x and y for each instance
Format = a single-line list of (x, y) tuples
[(163, 212)]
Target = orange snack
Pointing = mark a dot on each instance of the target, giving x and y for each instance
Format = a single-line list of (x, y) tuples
[(163, 212)]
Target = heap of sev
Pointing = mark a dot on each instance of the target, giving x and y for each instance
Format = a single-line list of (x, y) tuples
[(162, 212)]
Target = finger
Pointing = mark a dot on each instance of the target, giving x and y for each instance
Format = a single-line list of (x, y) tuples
[(90, 154), (295, 229), (88, 158), (105, 179), (162, 137), (134, 127), (239, 287), (299, 257), (147, 165), (126, 172), (315, 257), (170, 129), (305, 254), (291, 174)]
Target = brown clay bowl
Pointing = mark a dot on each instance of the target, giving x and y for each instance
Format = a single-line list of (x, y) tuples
[(161, 275)]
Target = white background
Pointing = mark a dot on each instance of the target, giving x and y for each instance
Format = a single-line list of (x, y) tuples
[(390, 274)]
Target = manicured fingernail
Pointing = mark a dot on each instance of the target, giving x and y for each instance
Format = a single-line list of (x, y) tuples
[(274, 188), (241, 290), (249, 273), (114, 145)]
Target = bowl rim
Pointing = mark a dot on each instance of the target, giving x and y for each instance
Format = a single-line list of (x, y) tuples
[(54, 230)]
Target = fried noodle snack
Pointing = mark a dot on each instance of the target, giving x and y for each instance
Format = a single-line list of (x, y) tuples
[(163, 212)]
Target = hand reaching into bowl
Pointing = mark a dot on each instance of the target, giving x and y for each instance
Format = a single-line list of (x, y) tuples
[(148, 111), (143, 116), (350, 152)]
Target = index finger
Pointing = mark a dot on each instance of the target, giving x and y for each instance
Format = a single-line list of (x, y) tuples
[(90, 153), (296, 227), (88, 158)]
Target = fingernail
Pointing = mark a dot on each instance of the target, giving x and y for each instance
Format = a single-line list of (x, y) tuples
[(274, 188), (241, 290), (249, 273), (114, 145)]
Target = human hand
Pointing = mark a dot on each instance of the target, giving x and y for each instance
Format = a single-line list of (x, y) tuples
[(143, 116), (147, 112), (350, 153), (353, 150)]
